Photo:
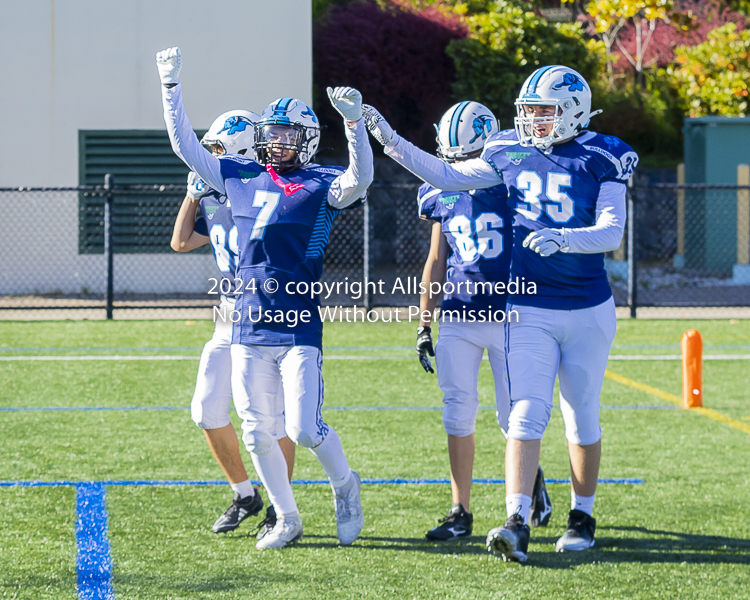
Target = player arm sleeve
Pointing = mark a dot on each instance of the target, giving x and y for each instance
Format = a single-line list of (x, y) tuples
[(606, 234), (472, 174), (352, 184), (184, 141)]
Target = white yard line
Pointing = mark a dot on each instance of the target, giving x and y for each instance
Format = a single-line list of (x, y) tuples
[(124, 357)]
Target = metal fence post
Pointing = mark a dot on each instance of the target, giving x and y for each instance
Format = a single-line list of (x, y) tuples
[(632, 265), (366, 251), (108, 246)]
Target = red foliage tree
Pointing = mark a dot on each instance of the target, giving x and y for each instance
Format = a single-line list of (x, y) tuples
[(706, 16), (394, 56)]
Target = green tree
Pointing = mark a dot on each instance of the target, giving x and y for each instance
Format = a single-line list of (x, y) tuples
[(506, 45), (712, 77)]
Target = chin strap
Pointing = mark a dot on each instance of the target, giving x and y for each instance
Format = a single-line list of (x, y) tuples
[(289, 188)]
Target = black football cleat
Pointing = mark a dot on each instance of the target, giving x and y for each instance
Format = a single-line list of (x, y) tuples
[(541, 504), (455, 526), (580, 533), (511, 541), (268, 523), (238, 512)]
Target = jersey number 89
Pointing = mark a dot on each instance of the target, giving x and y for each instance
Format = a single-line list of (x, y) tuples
[(225, 250), (480, 237)]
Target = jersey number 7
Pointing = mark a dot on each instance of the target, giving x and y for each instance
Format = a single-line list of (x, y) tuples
[(268, 201)]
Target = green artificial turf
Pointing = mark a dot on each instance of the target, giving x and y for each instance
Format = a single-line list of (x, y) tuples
[(685, 533)]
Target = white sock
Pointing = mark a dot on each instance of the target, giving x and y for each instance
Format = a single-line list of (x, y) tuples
[(518, 504), (243, 488), (271, 468), (330, 455), (582, 503)]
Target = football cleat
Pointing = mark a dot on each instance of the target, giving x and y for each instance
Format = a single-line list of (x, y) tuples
[(511, 541), (267, 524), (349, 517), (541, 504), (580, 533), (240, 510), (287, 531), (455, 526)]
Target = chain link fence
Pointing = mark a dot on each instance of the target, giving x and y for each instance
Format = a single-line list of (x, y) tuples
[(691, 244), (686, 245)]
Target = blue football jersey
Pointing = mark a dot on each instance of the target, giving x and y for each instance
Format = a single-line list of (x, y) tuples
[(214, 219), (559, 188), (478, 226), (281, 241)]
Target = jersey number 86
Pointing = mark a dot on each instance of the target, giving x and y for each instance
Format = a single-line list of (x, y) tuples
[(480, 237)]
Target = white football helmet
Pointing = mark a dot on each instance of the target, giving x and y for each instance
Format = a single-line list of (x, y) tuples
[(463, 129), (562, 88), (287, 124), (232, 133)]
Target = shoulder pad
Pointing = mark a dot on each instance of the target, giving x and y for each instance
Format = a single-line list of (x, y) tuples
[(620, 159), (238, 158), (427, 200), (330, 170), (502, 139), (424, 189)]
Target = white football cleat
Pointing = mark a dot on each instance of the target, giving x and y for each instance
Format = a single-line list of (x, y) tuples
[(349, 517), (288, 530)]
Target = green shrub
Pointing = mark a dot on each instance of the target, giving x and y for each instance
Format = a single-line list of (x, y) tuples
[(712, 77), (506, 45)]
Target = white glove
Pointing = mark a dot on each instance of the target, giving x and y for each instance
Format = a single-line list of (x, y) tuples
[(347, 101), (377, 125), (196, 187), (546, 242), (169, 63)]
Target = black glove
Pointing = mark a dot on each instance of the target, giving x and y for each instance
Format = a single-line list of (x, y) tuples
[(424, 347)]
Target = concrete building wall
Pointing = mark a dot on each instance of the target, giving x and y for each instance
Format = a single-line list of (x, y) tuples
[(67, 65)]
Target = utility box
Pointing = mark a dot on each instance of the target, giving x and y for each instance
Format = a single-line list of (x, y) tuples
[(714, 147)]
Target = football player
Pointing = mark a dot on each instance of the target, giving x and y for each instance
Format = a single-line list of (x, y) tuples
[(470, 251), (568, 187), (206, 216), (283, 224)]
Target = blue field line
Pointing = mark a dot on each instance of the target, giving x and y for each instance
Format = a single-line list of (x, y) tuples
[(347, 408), (371, 481), (94, 557)]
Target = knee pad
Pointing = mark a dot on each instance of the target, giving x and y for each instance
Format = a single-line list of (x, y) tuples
[(460, 416), (258, 441), (304, 438), (528, 420), (581, 426), (209, 414)]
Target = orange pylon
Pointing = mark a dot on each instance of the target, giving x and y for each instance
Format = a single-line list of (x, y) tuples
[(692, 369)]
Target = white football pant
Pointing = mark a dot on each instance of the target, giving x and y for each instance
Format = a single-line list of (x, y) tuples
[(213, 387), (458, 354), (571, 344), (256, 372)]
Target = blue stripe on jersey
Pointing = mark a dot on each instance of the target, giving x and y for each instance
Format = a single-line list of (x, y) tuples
[(455, 119), (531, 91), (321, 230)]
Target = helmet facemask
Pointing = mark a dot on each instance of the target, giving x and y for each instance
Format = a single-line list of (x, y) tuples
[(566, 97), (280, 145), (539, 125)]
